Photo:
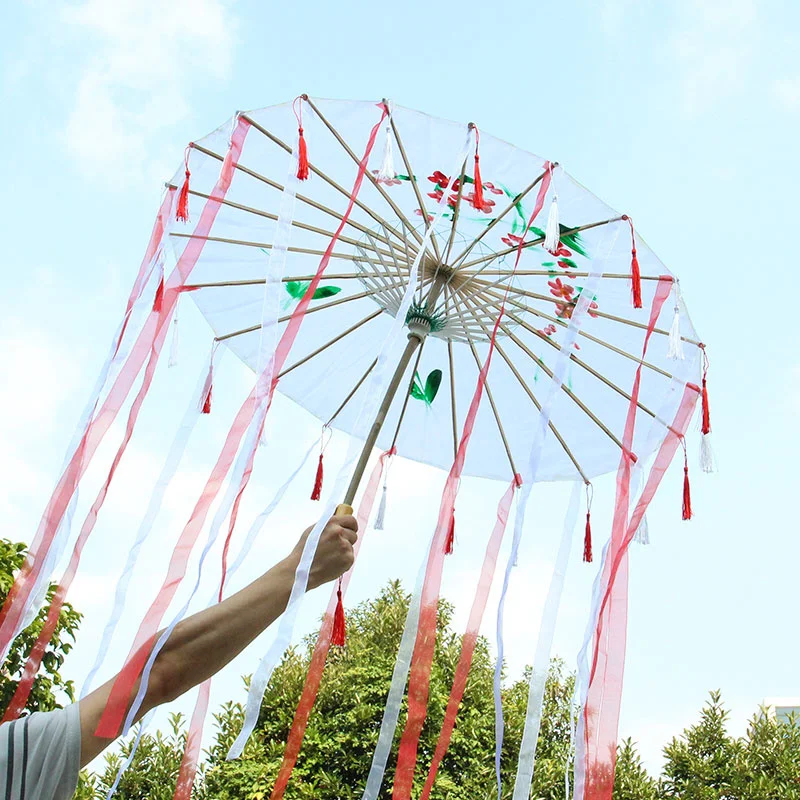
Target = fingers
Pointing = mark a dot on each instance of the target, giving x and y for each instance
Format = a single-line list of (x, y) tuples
[(347, 521)]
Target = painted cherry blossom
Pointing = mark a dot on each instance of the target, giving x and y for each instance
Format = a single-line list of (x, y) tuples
[(558, 289), (486, 206), (511, 240), (386, 181)]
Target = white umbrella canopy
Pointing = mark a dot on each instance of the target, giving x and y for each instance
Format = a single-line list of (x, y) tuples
[(469, 261)]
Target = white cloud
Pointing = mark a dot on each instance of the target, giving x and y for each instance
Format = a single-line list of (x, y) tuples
[(712, 49), (136, 83), (786, 92)]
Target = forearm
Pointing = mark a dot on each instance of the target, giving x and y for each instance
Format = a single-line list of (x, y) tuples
[(204, 643)]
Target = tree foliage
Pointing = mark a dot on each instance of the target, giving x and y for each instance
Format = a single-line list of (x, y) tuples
[(343, 727), (49, 689)]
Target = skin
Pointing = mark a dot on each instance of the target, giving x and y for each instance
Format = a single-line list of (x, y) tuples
[(204, 643)]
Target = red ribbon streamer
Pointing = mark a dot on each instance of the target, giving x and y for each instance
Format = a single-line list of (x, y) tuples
[(324, 641), (422, 659), (26, 579), (115, 709), (471, 635), (601, 712)]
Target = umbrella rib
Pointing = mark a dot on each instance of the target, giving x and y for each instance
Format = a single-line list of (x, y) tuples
[(295, 223), (599, 313), (268, 246), (287, 317), (395, 260), (511, 335), (548, 273), (489, 395), (352, 392), (414, 183), (408, 395), (368, 174), (583, 364), (261, 281), (333, 341), (365, 208), (453, 397), (536, 403), (512, 204), (269, 182), (486, 260), (456, 213), (396, 292)]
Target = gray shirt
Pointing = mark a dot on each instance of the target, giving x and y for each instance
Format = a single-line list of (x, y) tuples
[(40, 755)]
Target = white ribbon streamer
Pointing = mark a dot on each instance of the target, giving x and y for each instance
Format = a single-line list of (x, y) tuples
[(529, 478), (375, 390)]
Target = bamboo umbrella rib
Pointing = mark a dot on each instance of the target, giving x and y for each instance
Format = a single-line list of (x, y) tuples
[(333, 341), (408, 395), (397, 292), (269, 182), (548, 273), (352, 392), (396, 261), (268, 246), (368, 174), (538, 405), (453, 397), (365, 208), (458, 261), (414, 182), (455, 214), (295, 223), (511, 335), (286, 279), (490, 397), (599, 313), (287, 317), (581, 363)]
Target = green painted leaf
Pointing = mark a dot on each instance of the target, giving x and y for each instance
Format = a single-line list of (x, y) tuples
[(326, 291), (298, 288), (431, 388), (569, 262), (432, 385), (573, 241)]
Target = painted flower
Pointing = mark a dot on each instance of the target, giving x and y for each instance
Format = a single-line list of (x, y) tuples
[(419, 214), (567, 263), (436, 194), (486, 206), (558, 289), (564, 310), (549, 330), (589, 311), (511, 240), (562, 251), (452, 201), (492, 188), (439, 178)]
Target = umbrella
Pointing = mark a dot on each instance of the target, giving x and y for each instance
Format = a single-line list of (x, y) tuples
[(433, 291)]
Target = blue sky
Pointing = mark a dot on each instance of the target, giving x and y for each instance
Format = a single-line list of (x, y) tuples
[(684, 114)]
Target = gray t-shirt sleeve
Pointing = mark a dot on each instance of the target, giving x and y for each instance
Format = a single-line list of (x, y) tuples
[(40, 755)]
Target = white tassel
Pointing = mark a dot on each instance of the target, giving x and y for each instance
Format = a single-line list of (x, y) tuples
[(706, 454), (675, 341), (642, 535), (381, 515), (386, 173), (552, 234), (173, 347)]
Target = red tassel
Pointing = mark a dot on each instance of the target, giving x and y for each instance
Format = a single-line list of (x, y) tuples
[(451, 536), (158, 300), (636, 276), (182, 214), (706, 427), (207, 401), (302, 157), (687, 495), (317, 492), (339, 628), (587, 539)]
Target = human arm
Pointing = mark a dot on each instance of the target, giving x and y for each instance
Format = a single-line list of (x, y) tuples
[(204, 643)]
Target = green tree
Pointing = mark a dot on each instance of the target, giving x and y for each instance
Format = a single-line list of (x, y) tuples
[(153, 772), (49, 688), (701, 764), (343, 727), (631, 780)]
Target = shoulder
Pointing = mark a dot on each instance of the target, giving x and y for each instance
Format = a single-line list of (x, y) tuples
[(40, 755)]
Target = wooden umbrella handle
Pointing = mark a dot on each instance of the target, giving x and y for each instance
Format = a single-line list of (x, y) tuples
[(343, 510)]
